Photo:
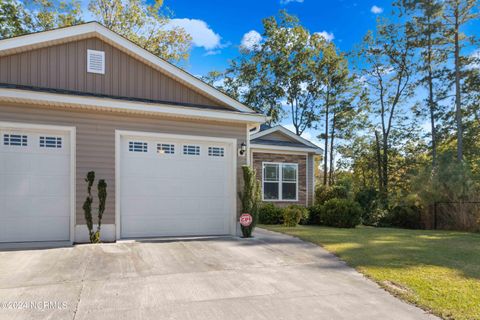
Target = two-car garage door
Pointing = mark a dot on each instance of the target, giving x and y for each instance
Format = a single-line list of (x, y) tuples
[(175, 186), (35, 184)]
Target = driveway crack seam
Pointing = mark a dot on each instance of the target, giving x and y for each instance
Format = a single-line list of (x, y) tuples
[(81, 288)]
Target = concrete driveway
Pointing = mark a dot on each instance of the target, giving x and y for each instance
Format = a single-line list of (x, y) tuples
[(271, 277)]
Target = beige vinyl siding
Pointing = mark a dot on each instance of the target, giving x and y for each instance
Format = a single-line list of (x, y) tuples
[(64, 67), (95, 140), (277, 136)]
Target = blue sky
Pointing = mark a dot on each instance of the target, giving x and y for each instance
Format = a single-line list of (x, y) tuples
[(218, 27), (347, 20)]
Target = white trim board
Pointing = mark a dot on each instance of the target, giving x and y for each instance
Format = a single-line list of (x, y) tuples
[(287, 133), (120, 133), (40, 39), (114, 105), (73, 166)]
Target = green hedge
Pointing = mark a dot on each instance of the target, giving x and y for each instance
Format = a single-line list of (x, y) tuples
[(408, 217), (293, 214), (325, 193), (341, 213), (270, 214)]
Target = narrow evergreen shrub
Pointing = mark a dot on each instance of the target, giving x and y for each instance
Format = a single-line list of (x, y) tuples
[(270, 214), (87, 206), (293, 214), (250, 198), (342, 213)]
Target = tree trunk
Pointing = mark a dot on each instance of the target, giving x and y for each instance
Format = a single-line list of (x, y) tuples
[(458, 106), (385, 167), (431, 101), (332, 137), (325, 152), (379, 163)]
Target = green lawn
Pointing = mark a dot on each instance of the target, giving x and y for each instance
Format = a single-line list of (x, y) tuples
[(437, 270)]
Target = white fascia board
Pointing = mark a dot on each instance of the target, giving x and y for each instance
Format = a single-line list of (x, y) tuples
[(254, 146), (65, 100), (286, 132), (94, 28)]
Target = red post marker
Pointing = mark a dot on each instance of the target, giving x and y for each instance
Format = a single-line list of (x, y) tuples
[(246, 219)]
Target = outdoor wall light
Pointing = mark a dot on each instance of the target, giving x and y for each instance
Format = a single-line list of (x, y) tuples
[(243, 148)]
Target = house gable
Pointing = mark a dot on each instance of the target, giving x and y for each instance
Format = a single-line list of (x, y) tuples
[(280, 138), (64, 67)]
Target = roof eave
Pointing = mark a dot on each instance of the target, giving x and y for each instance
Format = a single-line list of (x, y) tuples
[(113, 105)]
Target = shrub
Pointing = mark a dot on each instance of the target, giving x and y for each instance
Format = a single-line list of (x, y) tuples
[(325, 193), (293, 214), (250, 198), (408, 217), (341, 213), (367, 199), (315, 214), (270, 214)]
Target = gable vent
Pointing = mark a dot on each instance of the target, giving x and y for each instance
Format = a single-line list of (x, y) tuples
[(96, 61)]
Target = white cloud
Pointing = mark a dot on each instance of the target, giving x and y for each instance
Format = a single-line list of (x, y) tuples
[(328, 36), (376, 10), (202, 35), (212, 52), (285, 2), (251, 40)]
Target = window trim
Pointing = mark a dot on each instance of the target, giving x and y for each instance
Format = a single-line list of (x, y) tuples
[(280, 182)]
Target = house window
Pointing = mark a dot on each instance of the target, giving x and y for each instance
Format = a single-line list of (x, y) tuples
[(137, 146), (216, 152), (280, 181), (50, 142), (15, 140), (165, 148), (191, 150)]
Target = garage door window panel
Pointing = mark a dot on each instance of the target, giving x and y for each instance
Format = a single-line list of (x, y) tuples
[(191, 150), (216, 152), (50, 142), (280, 181), (165, 148), (137, 146), (15, 140)]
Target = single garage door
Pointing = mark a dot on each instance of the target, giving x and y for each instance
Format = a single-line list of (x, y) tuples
[(34, 185), (171, 186)]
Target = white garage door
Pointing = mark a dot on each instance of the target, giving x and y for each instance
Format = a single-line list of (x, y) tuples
[(34, 185), (175, 187)]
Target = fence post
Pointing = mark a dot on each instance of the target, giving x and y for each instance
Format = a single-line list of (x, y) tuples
[(435, 215)]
